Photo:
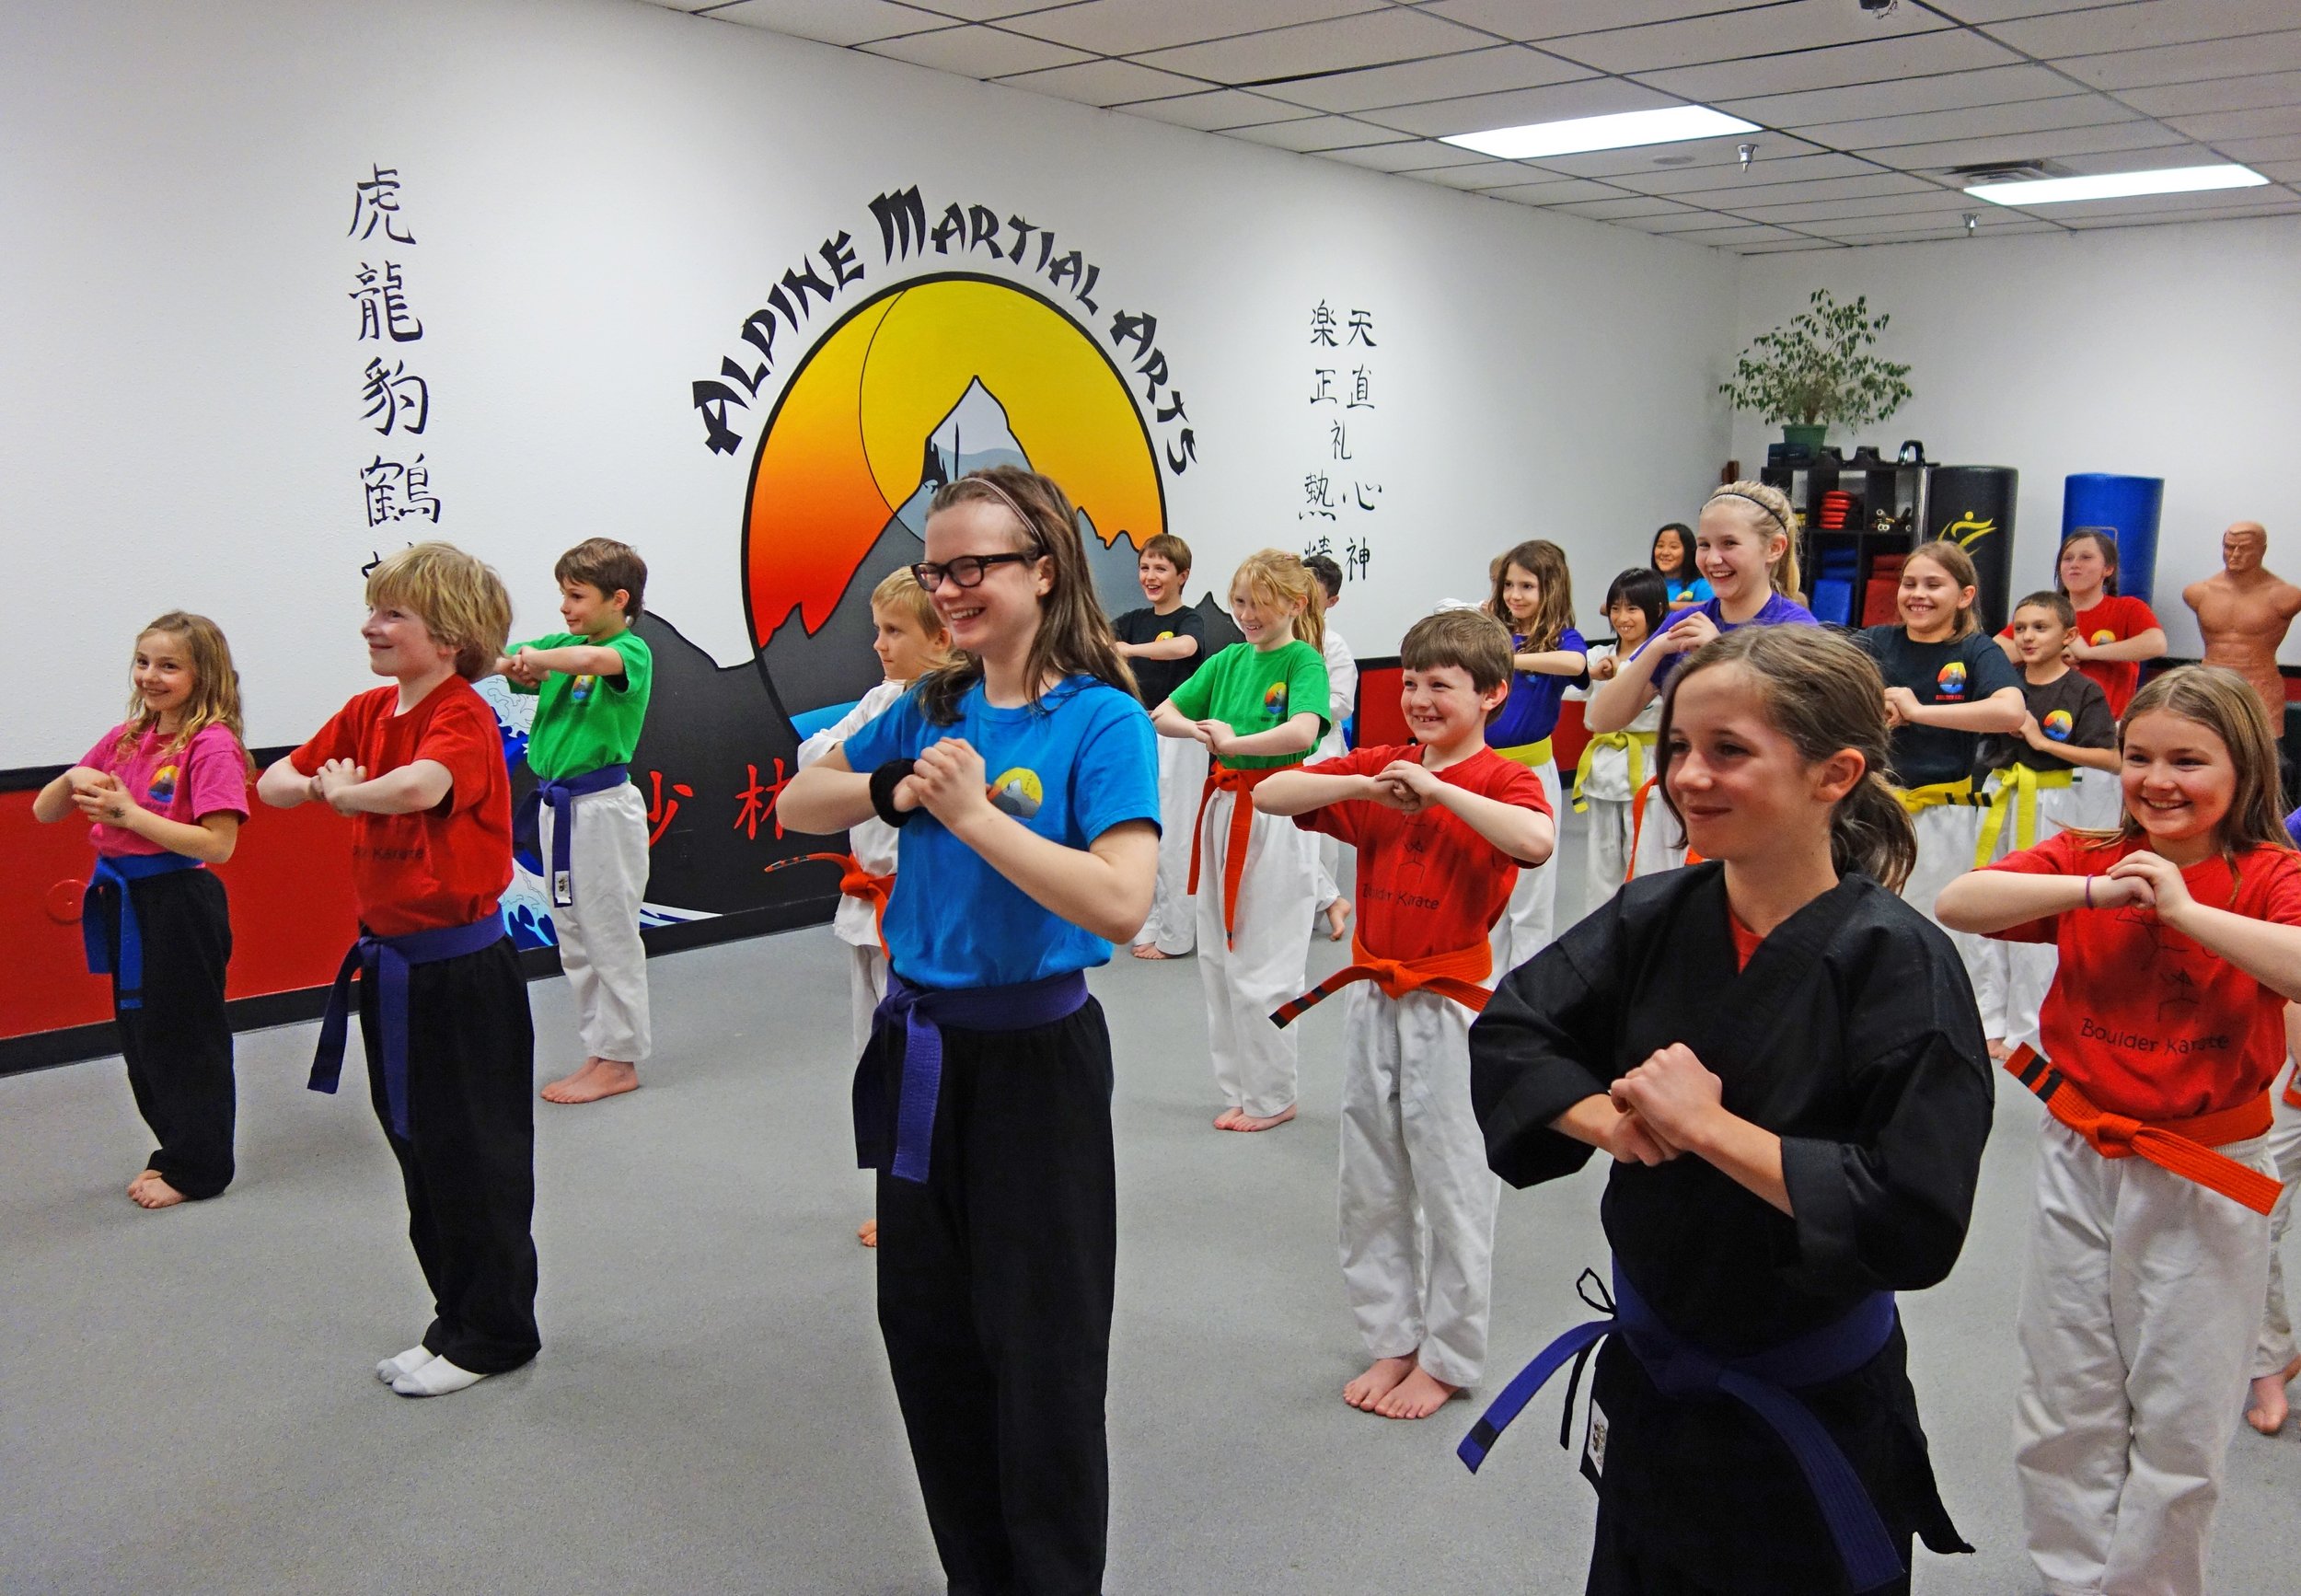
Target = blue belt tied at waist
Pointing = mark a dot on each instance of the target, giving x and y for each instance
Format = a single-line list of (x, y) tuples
[(386, 960), (561, 795), (114, 871), (923, 1011), (1761, 1382)]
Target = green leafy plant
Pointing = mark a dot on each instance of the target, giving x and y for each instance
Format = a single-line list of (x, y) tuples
[(1819, 368)]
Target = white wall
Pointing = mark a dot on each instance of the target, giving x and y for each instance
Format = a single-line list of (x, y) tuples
[(600, 191), (2160, 352)]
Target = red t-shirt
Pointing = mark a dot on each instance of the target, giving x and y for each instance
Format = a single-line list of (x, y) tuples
[(2114, 619), (2144, 1020), (1428, 884), (1745, 940), (445, 866)]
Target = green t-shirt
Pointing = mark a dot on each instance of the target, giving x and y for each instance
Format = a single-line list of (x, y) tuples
[(583, 723), (1250, 691)]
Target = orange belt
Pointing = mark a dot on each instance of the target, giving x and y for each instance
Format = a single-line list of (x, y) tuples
[(2293, 1089), (1221, 778), (1637, 826), (854, 881), (2185, 1146), (1457, 975)]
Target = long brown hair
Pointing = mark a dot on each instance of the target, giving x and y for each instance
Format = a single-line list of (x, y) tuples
[(1074, 638), (2102, 538), (214, 698), (1278, 577), (1768, 510), (1957, 565), (1554, 612), (1825, 695), (2225, 704)]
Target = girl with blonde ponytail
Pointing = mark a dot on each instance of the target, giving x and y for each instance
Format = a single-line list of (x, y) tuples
[(1784, 1061)]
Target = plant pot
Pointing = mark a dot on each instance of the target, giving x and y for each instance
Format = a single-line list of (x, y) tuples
[(1805, 439)]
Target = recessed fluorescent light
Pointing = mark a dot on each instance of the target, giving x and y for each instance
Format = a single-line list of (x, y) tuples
[(2118, 185), (1582, 134)]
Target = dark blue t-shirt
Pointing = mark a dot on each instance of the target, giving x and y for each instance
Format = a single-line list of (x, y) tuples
[(1962, 670), (1530, 712)]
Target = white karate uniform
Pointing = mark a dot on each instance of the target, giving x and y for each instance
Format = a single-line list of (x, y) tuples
[(2139, 1313), (1526, 927), (1182, 779), (1610, 820), (2274, 1349), (873, 844), (2010, 980), (1418, 1200), (1342, 700), (598, 933), (1265, 963), (1660, 841), (1947, 836)]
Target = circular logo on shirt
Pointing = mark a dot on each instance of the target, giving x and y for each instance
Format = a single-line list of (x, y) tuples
[(1951, 683), (579, 690), (2104, 635), (1018, 792), (163, 788), (2058, 724), (1275, 702), (1163, 637)]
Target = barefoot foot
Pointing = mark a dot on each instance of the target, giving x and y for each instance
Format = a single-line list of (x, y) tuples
[(1417, 1396), (1228, 1119), (1245, 1121), (2266, 1411), (1998, 1051), (1150, 950), (1337, 921), (868, 1233), (152, 1191), (1380, 1380), (601, 1078), (136, 1185)]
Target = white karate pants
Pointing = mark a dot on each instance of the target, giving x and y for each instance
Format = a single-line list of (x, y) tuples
[(1607, 853), (1661, 842), (1528, 925), (1418, 1200), (598, 933), (2010, 980), (866, 986), (2276, 1348), (1265, 963), (1327, 888), (1947, 836), (1182, 778), (2139, 1310)]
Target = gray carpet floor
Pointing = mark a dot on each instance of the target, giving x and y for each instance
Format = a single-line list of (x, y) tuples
[(187, 1403)]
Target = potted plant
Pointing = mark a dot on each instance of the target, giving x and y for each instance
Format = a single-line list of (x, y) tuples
[(1818, 369)]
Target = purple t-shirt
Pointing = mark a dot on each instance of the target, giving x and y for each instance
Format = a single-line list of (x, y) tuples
[(207, 775), (1775, 611)]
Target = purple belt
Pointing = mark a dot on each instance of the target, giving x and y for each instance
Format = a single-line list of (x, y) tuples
[(113, 873), (385, 961), (923, 1011), (561, 795)]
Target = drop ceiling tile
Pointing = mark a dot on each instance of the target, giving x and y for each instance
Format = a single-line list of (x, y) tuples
[(1796, 169), (2216, 95), (976, 51), (1104, 82), (1557, 193), (685, 4), (1712, 153), (2154, 209), (1553, 102), (2287, 173), (1943, 91), (1371, 39), (1786, 246), (1629, 208), (2270, 149), (831, 21), (985, 10), (2142, 24), (2076, 110), (1847, 210), (2257, 54), (1937, 225), (1132, 27), (1879, 61), (2069, 146), (1217, 109), (1766, 31), (1537, 19), (1981, 12), (1735, 233), (1502, 68), (1480, 174), (2222, 127), (1736, 196), (1695, 220), (1412, 158), (1308, 135)]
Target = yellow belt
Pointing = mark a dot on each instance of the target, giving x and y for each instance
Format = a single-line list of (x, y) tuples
[(1534, 756), (1917, 800), (1634, 744), (2018, 793)]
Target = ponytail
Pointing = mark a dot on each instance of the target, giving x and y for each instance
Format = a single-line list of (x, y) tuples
[(1871, 832)]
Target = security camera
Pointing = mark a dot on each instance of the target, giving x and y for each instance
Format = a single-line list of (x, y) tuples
[(1880, 8)]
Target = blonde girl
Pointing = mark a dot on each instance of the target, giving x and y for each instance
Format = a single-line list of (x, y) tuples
[(1534, 596), (1258, 706), (164, 792)]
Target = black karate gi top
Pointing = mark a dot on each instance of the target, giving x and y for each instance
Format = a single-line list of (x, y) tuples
[(1853, 1035)]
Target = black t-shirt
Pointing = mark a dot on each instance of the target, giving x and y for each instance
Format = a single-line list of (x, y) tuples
[(1158, 678), (2070, 709), (1963, 670)]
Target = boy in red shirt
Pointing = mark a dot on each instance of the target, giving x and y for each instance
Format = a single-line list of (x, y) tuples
[(1442, 830), (418, 768)]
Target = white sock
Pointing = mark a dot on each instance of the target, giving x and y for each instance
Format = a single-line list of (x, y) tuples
[(407, 1362), (437, 1377)]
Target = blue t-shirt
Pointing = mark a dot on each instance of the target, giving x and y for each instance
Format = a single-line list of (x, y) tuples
[(1530, 712), (1698, 590), (1777, 611), (1082, 760)]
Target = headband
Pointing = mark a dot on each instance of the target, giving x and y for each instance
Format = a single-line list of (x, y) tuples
[(1029, 527), (1774, 514)]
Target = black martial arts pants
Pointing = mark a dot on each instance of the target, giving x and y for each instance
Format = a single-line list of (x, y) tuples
[(469, 1158), (995, 1284), (1621, 1564), (178, 1042)]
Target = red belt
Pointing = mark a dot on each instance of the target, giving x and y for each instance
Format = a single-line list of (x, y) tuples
[(2185, 1146), (1221, 778), (1457, 975)]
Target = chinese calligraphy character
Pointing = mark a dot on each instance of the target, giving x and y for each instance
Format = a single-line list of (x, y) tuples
[(1323, 385), (395, 492), (1317, 546), (1356, 557), (401, 398), (1339, 441), (754, 810), (383, 302), (1317, 497), (1360, 490), (659, 812), (1362, 328), (1361, 389), (377, 200), (1323, 325)]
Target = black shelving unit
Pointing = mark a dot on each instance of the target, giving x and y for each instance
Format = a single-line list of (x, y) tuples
[(1897, 489)]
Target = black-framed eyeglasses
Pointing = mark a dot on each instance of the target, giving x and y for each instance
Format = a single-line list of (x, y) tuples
[(967, 569)]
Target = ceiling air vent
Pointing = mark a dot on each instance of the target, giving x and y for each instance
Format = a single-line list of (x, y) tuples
[(2009, 171)]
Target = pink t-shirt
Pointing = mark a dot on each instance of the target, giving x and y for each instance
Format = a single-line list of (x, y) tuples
[(207, 775)]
